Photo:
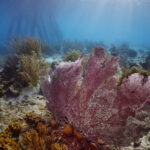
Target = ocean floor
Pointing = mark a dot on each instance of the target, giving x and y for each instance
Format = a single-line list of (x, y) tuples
[(54, 58), (14, 109), (30, 101)]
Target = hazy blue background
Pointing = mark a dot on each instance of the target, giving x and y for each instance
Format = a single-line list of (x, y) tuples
[(110, 21)]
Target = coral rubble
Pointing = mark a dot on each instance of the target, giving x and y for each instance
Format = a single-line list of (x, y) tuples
[(24, 107)]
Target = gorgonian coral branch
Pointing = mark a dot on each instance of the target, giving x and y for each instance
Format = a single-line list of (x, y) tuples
[(98, 107)]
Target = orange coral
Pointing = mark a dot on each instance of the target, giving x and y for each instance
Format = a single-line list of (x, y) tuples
[(7, 140), (15, 127), (93, 145), (78, 135), (6, 134), (57, 146), (34, 141), (53, 123), (37, 136), (101, 142), (41, 129), (68, 130), (33, 119), (8, 144)]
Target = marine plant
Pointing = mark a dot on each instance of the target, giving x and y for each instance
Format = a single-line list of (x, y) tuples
[(33, 119), (127, 72), (15, 128), (8, 138), (10, 65), (72, 55), (57, 146), (8, 144), (98, 108), (23, 68), (2, 91), (34, 133), (69, 74), (27, 46), (29, 70), (34, 141), (9, 77)]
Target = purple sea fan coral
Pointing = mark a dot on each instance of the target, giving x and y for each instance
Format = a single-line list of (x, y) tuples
[(98, 107), (60, 90), (91, 104), (134, 91), (133, 109), (84, 109)]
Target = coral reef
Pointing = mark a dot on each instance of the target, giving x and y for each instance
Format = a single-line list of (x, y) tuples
[(65, 97), (65, 71), (35, 128), (145, 142), (8, 138), (24, 67), (27, 46), (127, 72), (141, 144), (68, 130), (57, 146), (25, 107), (33, 140), (30, 70), (6, 144), (89, 45), (9, 79), (98, 107), (42, 136), (15, 128), (128, 56), (123, 50), (81, 45), (72, 55), (10, 65), (33, 119), (145, 64), (53, 123)]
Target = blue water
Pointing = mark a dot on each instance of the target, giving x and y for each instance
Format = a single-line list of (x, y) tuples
[(110, 21)]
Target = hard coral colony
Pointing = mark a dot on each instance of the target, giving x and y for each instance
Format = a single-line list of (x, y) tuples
[(99, 108)]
